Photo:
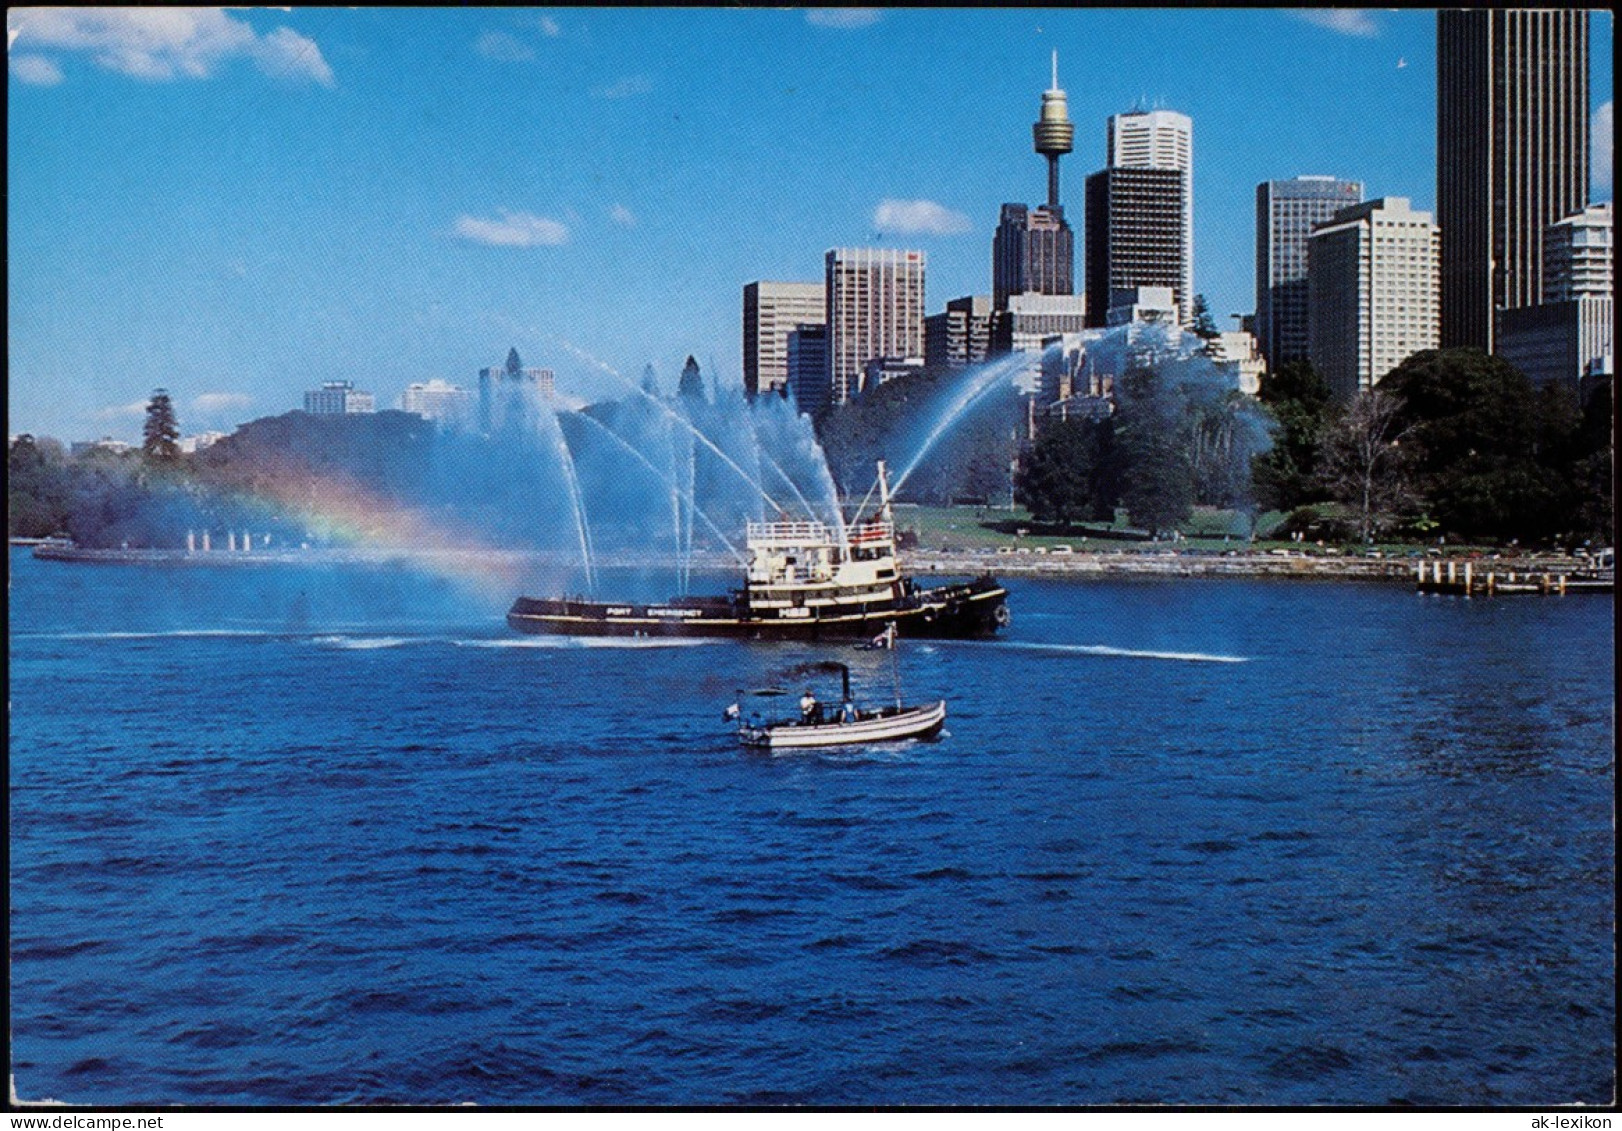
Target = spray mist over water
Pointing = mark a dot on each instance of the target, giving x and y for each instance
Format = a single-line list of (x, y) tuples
[(676, 490), (973, 386)]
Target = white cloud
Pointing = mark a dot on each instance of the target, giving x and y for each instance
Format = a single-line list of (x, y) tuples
[(842, 17), (166, 43), (220, 402), (919, 216), (622, 215), (549, 27), (503, 48), (36, 70), (514, 229), (1601, 141), (1346, 21), (136, 409), (627, 87)]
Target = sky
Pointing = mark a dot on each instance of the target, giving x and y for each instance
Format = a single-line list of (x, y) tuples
[(239, 204)]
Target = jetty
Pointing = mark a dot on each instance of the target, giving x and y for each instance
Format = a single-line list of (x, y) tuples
[(1463, 579)]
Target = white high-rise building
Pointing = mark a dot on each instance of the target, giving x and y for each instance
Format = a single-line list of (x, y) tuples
[(1578, 256), (875, 308), (1372, 291), (1570, 335), (438, 400), (1161, 139), (772, 311)]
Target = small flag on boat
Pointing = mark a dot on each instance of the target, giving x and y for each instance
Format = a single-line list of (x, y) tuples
[(885, 639), (731, 713)]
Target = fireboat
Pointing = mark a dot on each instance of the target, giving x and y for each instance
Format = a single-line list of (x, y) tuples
[(804, 580)]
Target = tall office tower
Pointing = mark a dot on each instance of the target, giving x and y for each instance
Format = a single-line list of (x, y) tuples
[(1033, 251), (875, 308), (1578, 255), (770, 312), (1371, 293), (1135, 237), (1511, 155), (808, 384), (1286, 213), (1153, 151), (958, 337), (1570, 336)]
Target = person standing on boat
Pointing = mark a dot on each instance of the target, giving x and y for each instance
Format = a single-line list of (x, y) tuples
[(808, 709), (847, 712)]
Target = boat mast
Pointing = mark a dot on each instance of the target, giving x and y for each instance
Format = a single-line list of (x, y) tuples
[(895, 660)]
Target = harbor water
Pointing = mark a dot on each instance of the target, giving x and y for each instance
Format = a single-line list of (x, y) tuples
[(292, 835)]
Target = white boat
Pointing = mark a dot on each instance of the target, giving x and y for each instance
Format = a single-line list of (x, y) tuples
[(888, 724), (846, 725)]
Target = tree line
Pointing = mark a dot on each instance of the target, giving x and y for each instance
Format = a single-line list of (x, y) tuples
[(1452, 443)]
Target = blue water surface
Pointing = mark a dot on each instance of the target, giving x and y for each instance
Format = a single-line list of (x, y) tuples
[(286, 835)]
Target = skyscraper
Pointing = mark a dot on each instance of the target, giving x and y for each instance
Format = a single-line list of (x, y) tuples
[(1372, 293), (960, 336), (1579, 255), (771, 311), (1033, 251), (1512, 152), (1140, 211), (808, 384), (875, 308), (1569, 337), (1135, 237), (1286, 213)]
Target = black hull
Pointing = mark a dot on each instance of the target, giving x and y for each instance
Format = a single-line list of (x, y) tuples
[(976, 609)]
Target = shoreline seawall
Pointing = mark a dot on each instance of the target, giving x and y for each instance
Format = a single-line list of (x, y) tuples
[(920, 563)]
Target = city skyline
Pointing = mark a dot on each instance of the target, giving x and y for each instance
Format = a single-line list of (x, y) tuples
[(250, 204)]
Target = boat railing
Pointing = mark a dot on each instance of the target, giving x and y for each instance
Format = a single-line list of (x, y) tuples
[(872, 533), (788, 533)]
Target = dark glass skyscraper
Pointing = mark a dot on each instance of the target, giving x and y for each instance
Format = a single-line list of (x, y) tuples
[(1135, 235), (1286, 213), (1032, 252), (1511, 155)]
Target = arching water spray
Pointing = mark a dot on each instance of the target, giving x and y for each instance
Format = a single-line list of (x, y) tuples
[(675, 489), (577, 500), (971, 393), (676, 417)]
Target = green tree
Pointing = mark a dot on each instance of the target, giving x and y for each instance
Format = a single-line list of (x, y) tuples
[(1481, 455), (1204, 325), (1068, 475), (1286, 476), (39, 488), (691, 385), (161, 431), (1157, 474)]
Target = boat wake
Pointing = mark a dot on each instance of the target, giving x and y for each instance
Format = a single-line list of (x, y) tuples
[(171, 634), (1124, 653), (365, 643)]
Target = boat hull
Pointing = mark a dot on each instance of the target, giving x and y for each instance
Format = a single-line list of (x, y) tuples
[(910, 722), (975, 609)]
